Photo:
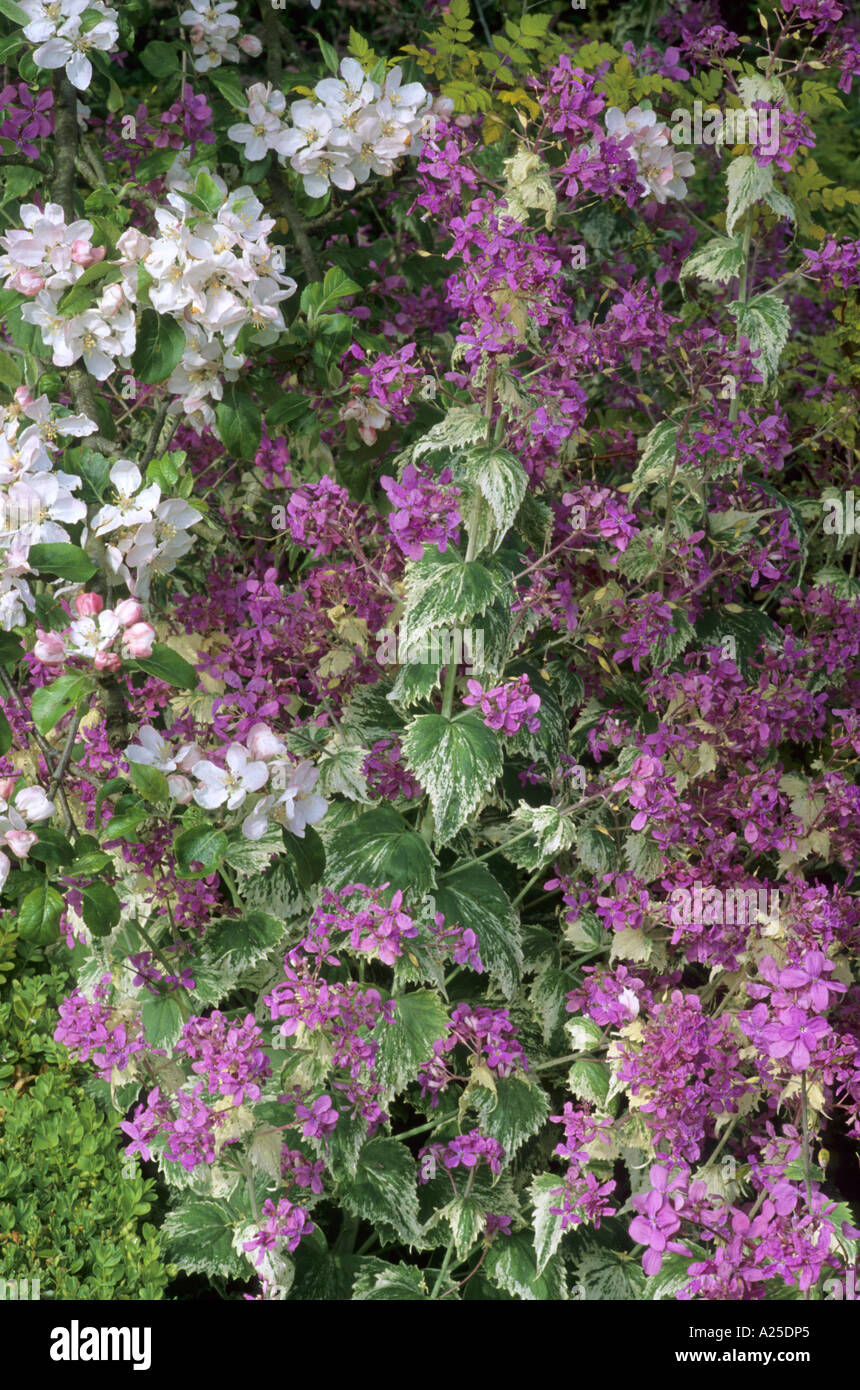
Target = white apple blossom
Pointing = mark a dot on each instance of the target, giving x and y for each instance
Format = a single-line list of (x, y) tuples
[(153, 750), (297, 807), (230, 784), (135, 504), (66, 36), (212, 28), (662, 167), (87, 636)]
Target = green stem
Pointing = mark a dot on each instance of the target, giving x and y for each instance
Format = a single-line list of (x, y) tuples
[(431, 1124), (444, 1270)]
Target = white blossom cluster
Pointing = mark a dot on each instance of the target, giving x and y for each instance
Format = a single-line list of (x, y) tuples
[(215, 274), (662, 167), (248, 768), (43, 259), (67, 31), (353, 128), (18, 811), (36, 500), (139, 530), (213, 27)]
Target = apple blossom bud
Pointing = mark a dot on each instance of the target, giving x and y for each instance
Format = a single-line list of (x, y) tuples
[(7, 786), (84, 254), (34, 804), (251, 45), (106, 661), (50, 648), (262, 743), (26, 281), (129, 611), (89, 605), (180, 788), (20, 841), (112, 301), (23, 396), (137, 640)]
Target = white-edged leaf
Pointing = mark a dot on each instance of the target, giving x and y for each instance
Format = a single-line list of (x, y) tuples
[(445, 590), (379, 847), (545, 1192), (550, 834), (456, 762), (420, 1018), (748, 183), (500, 479), (717, 262), (383, 1190), (766, 322), (472, 898)]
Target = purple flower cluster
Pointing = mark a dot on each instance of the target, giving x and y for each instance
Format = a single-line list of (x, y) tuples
[(583, 1197), (297, 1168), (459, 943), (285, 1224), (387, 778), (26, 117), (188, 1125), (374, 926), (153, 979), (92, 1030), (228, 1054), (835, 259), (466, 1151), (788, 1022), (423, 510), (320, 515), (489, 1037), (507, 707)]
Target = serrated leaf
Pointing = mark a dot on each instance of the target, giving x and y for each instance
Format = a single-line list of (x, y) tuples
[(420, 1018), (202, 846), (444, 591), (383, 1190), (766, 322), (545, 1193), (512, 1264), (341, 770), (589, 1079), (717, 262), (162, 1021), (516, 1111), (456, 763), (748, 183), (500, 479), (657, 458), (550, 834), (379, 847), (400, 1283), (200, 1238), (241, 942), (472, 898)]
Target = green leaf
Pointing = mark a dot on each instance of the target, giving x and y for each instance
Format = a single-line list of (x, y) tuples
[(200, 1238), (241, 942), (747, 185), (379, 847), (405, 1044), (51, 847), (5, 734), (159, 349), (501, 480), (456, 762), (320, 298), (208, 191), (766, 322), (161, 59), (14, 12), (11, 649), (79, 297), (549, 835), (472, 898), (384, 1191), (153, 165), (58, 557), (307, 856), (239, 423), (203, 845), (606, 1274), (513, 1114), (444, 590), (512, 1264), (341, 771), (151, 783), (390, 1283), (717, 262), (39, 915), (227, 82), (589, 1079), (51, 702), (162, 1020), (169, 666), (657, 458), (545, 1193), (101, 908)]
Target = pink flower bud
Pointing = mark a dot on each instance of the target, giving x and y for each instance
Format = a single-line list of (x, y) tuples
[(187, 757), (129, 611), (50, 648), (23, 396), (7, 786), (106, 661), (21, 841), (27, 282), (89, 605), (262, 743), (84, 254), (137, 640), (180, 789), (251, 45)]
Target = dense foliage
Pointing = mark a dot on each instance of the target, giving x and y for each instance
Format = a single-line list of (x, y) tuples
[(430, 632)]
